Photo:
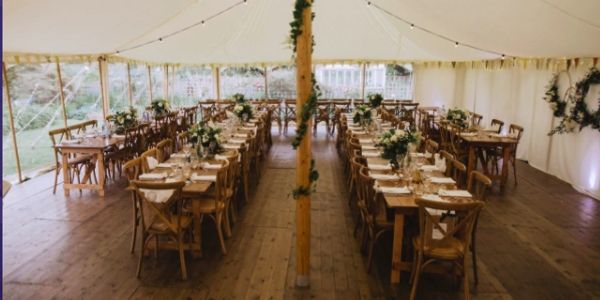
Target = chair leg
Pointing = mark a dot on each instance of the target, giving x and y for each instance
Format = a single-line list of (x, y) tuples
[(182, 256), (466, 279), (413, 291), (135, 224), (156, 246), (227, 224), (370, 255), (218, 224), (56, 179), (514, 165), (142, 245)]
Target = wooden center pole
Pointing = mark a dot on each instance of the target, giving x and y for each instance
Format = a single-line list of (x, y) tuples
[(303, 157)]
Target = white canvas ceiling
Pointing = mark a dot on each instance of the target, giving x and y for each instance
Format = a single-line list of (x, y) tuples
[(345, 30)]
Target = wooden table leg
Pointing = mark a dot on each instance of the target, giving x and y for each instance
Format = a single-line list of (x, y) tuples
[(66, 173), (101, 174), (397, 247), (505, 158), (197, 243), (472, 160)]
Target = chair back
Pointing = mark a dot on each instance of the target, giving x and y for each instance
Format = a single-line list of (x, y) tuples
[(476, 119), (459, 173), (165, 148), (516, 131), (156, 201), (431, 146), (498, 124), (478, 185), (375, 207), (433, 231), (133, 169), (56, 137), (149, 153), (449, 158)]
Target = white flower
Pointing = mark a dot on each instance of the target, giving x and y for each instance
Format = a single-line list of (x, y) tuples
[(160, 104), (394, 138), (400, 133)]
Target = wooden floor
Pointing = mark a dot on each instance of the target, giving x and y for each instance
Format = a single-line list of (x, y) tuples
[(540, 240)]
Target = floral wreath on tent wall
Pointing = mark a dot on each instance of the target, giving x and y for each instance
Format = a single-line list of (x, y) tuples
[(579, 114)]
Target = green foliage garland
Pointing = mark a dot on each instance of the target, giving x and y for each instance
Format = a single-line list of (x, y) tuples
[(309, 107), (553, 98)]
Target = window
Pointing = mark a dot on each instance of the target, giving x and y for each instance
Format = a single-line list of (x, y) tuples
[(139, 87), (392, 81), (337, 82), (247, 81), (192, 84), (9, 164), (83, 99), (118, 87), (36, 110), (158, 78), (282, 82)]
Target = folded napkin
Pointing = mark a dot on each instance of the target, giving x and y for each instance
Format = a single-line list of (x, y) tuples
[(91, 135), (118, 136), (196, 177), (442, 180), (230, 146), (74, 141), (429, 168), (157, 196), (153, 176), (152, 162), (394, 190), (220, 157), (384, 177), (180, 155), (380, 167), (237, 141), (432, 197), (371, 154), (421, 155), (440, 162), (497, 135), (358, 131), (468, 134), (368, 147), (167, 165), (212, 166), (366, 141), (454, 193), (240, 135)]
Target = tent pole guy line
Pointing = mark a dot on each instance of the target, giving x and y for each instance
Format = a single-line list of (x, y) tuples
[(413, 25), (202, 22)]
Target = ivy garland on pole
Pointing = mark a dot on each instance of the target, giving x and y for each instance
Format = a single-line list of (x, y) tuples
[(309, 106), (579, 114)]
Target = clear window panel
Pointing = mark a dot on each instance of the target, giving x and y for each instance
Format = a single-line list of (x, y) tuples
[(336, 81), (392, 81), (158, 78), (247, 81), (36, 110), (9, 163), (83, 99), (118, 87), (192, 84), (139, 87), (282, 82)]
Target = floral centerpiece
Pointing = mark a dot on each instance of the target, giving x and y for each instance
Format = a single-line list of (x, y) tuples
[(375, 100), (458, 117), (243, 111), (363, 115), (206, 138), (160, 107), (125, 119), (238, 98), (395, 144)]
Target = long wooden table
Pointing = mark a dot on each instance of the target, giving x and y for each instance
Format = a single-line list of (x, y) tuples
[(95, 146), (403, 205), (485, 140)]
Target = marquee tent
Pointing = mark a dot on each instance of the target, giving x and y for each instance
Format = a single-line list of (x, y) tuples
[(345, 30)]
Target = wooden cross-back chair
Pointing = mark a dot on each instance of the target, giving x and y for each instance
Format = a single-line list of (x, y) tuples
[(431, 146), (339, 107), (376, 220), (132, 170), (391, 106), (157, 219), (517, 132), (497, 125), (322, 114), (76, 162), (476, 119), (453, 241), (116, 158), (449, 157), (356, 198), (165, 149), (408, 112), (153, 152), (478, 186), (214, 205), (459, 173), (80, 128), (289, 114), (182, 140)]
